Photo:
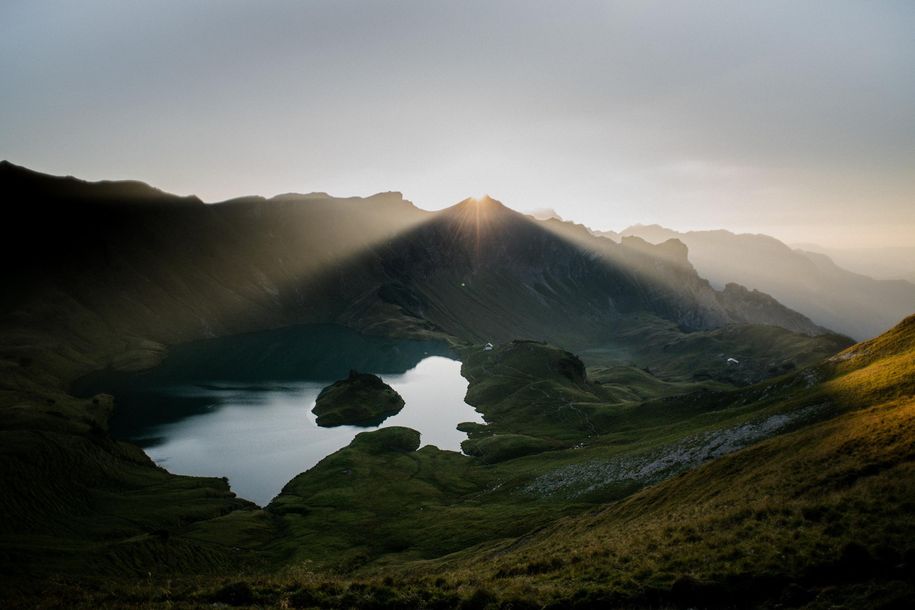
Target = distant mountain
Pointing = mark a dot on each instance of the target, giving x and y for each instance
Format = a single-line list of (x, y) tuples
[(810, 283), (608, 234), (545, 214), (889, 263)]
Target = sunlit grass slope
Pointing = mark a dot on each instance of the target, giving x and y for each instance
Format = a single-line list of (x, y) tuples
[(555, 443), (818, 516)]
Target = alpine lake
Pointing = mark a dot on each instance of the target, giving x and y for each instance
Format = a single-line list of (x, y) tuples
[(240, 406)]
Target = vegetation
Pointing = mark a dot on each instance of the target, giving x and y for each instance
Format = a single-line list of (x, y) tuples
[(816, 517)]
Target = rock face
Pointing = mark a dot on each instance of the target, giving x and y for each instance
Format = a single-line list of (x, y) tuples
[(361, 399), (744, 304)]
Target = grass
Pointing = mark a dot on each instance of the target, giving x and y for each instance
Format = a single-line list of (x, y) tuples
[(77, 502), (821, 507)]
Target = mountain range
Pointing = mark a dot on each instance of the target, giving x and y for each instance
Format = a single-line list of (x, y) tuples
[(882, 263), (806, 281), (129, 269)]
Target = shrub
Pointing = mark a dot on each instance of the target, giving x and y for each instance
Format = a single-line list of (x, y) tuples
[(235, 594)]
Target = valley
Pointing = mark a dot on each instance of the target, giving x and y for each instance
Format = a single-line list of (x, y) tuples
[(586, 423)]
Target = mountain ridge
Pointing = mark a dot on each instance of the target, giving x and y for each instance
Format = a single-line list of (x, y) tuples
[(251, 263), (810, 283)]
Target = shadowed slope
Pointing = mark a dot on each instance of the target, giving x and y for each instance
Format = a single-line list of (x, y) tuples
[(483, 271), (117, 280)]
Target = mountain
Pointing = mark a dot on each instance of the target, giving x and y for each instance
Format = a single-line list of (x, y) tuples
[(609, 234), (545, 214), (128, 271), (481, 270), (808, 282), (122, 270)]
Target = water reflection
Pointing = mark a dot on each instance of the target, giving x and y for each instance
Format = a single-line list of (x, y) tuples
[(261, 435)]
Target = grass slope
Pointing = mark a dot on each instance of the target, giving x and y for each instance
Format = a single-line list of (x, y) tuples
[(815, 517)]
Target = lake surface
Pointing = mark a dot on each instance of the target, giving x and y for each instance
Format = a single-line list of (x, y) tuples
[(240, 407)]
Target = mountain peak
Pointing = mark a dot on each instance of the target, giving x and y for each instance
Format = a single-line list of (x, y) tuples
[(18, 179), (480, 204), (545, 214), (480, 200)]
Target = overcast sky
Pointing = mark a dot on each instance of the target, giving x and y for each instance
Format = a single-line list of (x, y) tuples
[(790, 118)]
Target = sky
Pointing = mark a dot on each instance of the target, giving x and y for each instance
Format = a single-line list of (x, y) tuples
[(795, 119)]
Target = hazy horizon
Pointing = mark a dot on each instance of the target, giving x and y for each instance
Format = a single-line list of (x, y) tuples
[(790, 120)]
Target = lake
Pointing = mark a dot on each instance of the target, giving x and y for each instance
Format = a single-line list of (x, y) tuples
[(240, 407)]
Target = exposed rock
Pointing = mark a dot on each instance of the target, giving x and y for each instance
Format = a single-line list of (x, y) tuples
[(361, 399)]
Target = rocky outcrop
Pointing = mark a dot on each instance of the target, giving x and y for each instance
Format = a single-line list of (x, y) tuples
[(753, 306), (359, 400)]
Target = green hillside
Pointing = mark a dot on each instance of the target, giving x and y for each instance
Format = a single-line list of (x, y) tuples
[(819, 516)]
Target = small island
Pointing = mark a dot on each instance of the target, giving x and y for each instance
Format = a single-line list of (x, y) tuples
[(361, 399)]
